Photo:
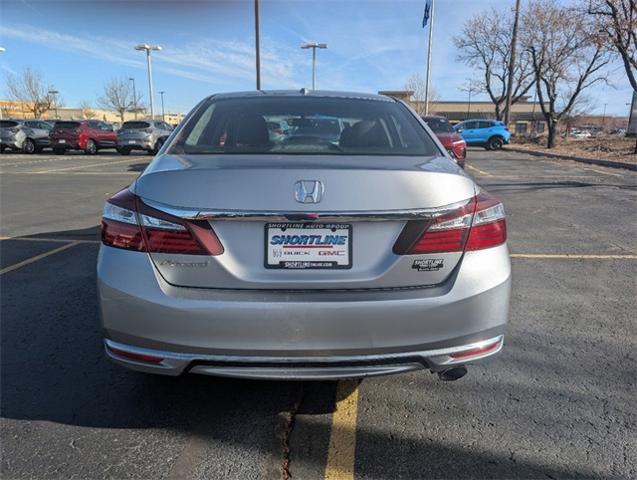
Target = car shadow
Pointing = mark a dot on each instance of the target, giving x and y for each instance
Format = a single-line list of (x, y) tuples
[(54, 369), (138, 167), (536, 186)]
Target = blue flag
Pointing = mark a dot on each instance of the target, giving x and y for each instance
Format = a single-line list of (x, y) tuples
[(425, 17)]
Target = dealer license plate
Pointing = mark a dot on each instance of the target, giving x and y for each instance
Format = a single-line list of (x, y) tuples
[(308, 245)]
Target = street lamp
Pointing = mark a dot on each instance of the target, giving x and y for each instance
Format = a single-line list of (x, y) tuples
[(54, 93), (162, 105), (314, 46), (134, 98), (604, 118), (2, 50), (144, 47)]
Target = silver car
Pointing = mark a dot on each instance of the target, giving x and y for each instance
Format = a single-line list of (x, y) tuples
[(26, 136), (242, 252), (148, 135)]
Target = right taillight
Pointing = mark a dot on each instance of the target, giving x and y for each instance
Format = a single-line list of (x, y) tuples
[(128, 223), (478, 224)]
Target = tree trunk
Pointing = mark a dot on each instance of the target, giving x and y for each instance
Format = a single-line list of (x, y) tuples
[(552, 131)]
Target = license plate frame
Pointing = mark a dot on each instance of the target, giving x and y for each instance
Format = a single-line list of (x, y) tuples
[(298, 263)]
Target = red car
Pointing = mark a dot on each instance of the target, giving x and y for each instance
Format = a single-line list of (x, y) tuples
[(87, 135), (453, 142)]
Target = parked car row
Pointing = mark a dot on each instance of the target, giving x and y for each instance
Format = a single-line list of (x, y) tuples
[(90, 136), (490, 134)]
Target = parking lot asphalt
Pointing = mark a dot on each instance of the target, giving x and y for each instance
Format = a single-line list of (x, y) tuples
[(559, 402)]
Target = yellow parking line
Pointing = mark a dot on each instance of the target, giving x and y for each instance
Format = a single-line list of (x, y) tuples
[(482, 172), (37, 257), (574, 256), (46, 239), (341, 450)]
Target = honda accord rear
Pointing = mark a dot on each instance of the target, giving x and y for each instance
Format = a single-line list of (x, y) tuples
[(250, 251)]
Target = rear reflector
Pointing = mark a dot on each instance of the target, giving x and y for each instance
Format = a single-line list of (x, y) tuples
[(128, 223), (140, 357), (476, 352)]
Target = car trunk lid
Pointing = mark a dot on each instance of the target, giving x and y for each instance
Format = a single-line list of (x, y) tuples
[(250, 200)]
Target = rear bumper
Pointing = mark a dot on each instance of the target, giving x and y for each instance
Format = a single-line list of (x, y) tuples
[(300, 334), (9, 142), (139, 143), (299, 368), (66, 143)]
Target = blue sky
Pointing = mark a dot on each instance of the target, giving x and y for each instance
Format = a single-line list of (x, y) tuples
[(208, 46)]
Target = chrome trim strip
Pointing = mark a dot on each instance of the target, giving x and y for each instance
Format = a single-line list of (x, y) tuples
[(189, 357), (278, 216)]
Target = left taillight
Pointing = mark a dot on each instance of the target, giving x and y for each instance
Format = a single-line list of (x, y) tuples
[(130, 224)]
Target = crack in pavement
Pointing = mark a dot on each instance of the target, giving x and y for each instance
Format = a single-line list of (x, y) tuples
[(284, 431)]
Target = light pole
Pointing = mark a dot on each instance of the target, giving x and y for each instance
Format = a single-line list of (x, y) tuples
[(162, 105), (2, 50), (314, 46), (144, 47), (514, 39), (604, 119), (134, 98), (257, 48), (54, 93)]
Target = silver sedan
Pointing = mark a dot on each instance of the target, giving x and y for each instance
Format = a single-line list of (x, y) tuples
[(348, 244)]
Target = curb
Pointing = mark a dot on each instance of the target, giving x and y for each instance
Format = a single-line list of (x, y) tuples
[(603, 163)]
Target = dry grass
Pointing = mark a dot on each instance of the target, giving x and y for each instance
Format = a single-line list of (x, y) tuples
[(615, 148)]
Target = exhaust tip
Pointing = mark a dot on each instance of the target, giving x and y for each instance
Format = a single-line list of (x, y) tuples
[(452, 374)]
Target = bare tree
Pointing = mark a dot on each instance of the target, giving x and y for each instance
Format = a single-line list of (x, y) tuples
[(566, 58), (87, 110), (417, 84), (31, 89), (118, 97), (485, 44), (616, 21)]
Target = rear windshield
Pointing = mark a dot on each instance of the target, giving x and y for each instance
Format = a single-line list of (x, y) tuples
[(67, 124), (438, 125), (135, 125), (7, 123), (303, 125)]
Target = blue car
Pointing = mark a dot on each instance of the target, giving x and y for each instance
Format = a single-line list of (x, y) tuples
[(490, 134)]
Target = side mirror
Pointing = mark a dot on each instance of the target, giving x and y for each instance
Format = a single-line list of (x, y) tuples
[(459, 130)]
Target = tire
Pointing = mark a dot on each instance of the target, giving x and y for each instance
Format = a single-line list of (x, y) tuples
[(28, 146), (2, 147), (158, 146), (495, 143), (91, 147), (59, 151), (124, 151)]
